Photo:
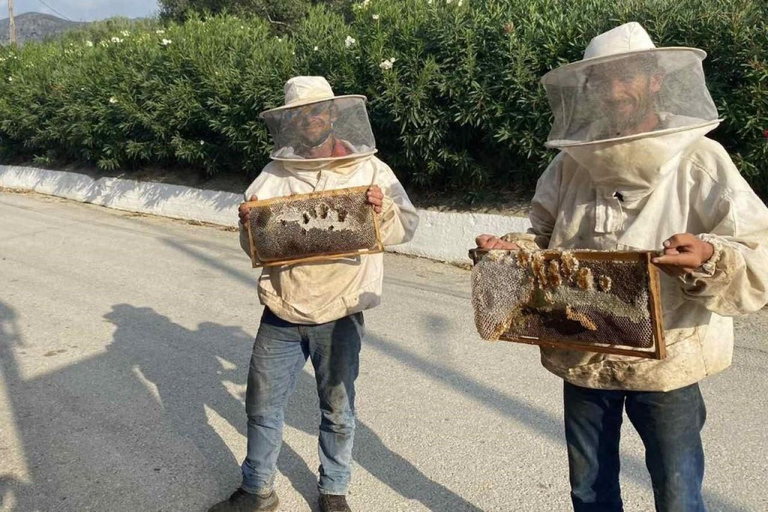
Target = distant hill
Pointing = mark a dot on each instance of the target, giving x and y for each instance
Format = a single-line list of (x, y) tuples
[(34, 26)]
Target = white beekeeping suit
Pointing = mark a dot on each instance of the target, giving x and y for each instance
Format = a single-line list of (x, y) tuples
[(324, 142), (634, 169)]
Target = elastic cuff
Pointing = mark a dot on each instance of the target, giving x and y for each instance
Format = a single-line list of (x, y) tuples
[(387, 206), (708, 268), (527, 241)]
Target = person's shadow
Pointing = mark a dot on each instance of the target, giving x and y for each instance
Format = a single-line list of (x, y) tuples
[(370, 453), (191, 370)]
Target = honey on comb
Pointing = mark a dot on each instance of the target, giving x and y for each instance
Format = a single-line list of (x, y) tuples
[(326, 224)]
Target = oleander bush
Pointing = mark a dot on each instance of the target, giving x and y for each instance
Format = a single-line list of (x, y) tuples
[(453, 85)]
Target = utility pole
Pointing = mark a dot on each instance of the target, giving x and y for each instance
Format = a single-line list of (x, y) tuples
[(12, 23)]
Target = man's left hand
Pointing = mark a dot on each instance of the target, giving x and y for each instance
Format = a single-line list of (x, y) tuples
[(683, 254), (375, 197)]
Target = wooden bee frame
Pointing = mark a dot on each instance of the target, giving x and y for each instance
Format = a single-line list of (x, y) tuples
[(539, 317), (311, 227)]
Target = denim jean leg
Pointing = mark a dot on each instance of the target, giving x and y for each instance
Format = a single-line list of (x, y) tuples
[(592, 432), (335, 352), (670, 423), (278, 355)]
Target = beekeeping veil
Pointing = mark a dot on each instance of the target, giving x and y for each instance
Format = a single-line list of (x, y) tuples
[(316, 126), (628, 110)]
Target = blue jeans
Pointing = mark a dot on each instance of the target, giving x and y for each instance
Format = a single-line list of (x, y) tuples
[(279, 353), (669, 424)]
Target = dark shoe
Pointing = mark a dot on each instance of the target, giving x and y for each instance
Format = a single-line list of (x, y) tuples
[(242, 501), (334, 503)]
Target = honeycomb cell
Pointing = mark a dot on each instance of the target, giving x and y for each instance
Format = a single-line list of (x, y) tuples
[(583, 298), (313, 226)]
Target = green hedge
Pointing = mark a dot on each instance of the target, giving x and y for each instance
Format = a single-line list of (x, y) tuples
[(460, 110)]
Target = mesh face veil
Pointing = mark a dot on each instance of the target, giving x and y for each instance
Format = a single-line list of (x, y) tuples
[(628, 111), (331, 129), (627, 96)]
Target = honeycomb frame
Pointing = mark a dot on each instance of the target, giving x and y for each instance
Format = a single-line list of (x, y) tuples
[(274, 215), (545, 270)]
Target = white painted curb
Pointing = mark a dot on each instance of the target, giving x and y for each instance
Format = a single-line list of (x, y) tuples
[(440, 236)]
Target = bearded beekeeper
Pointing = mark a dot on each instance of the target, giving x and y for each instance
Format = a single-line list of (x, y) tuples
[(636, 172), (315, 310)]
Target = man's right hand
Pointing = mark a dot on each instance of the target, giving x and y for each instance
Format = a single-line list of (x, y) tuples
[(493, 242), (243, 211)]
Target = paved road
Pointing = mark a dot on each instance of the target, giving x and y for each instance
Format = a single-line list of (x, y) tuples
[(124, 344)]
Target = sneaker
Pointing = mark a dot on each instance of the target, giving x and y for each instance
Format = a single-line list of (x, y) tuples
[(243, 501), (334, 503)]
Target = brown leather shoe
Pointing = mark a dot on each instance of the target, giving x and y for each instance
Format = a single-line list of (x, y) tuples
[(243, 501), (334, 503)]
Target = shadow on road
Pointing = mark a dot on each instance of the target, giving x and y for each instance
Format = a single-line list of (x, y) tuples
[(136, 421)]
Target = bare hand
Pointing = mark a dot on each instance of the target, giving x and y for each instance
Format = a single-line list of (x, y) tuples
[(243, 211), (683, 254), (375, 197), (493, 242)]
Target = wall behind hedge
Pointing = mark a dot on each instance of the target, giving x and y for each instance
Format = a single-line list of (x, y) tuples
[(459, 109)]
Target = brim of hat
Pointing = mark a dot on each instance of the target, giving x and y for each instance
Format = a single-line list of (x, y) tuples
[(578, 65), (561, 144), (310, 101), (330, 159)]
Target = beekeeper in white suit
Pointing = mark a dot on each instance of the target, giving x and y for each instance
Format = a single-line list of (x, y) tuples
[(636, 172), (315, 310)]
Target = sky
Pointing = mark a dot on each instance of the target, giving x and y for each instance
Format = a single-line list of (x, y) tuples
[(83, 10)]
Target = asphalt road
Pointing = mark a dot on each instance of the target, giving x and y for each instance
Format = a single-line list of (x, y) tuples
[(124, 347)]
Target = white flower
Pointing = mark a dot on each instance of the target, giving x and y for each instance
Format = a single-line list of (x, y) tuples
[(10, 79), (125, 33), (387, 63), (460, 2), (116, 40), (366, 3), (202, 142), (89, 44), (315, 48), (375, 16), (160, 32), (165, 42), (112, 100), (448, 1), (349, 41)]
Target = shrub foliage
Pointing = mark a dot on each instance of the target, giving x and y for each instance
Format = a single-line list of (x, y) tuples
[(454, 92)]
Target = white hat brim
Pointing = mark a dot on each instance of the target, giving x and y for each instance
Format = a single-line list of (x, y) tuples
[(573, 67), (310, 101)]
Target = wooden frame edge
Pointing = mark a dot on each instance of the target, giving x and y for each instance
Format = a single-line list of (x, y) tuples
[(256, 262), (658, 350), (309, 195), (657, 318)]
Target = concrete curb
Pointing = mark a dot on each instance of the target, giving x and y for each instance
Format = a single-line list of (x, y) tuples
[(441, 236)]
